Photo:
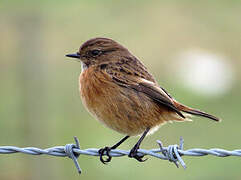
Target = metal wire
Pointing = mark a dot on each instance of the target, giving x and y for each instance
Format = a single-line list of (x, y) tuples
[(173, 153)]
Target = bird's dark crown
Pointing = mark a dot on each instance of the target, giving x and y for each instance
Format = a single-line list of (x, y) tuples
[(98, 50)]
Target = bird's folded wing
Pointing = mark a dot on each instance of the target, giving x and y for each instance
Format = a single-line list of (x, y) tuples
[(150, 89)]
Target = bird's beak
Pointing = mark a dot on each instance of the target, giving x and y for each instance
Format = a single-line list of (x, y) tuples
[(76, 55)]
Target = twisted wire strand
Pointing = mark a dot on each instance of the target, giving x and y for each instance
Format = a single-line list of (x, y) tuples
[(173, 153)]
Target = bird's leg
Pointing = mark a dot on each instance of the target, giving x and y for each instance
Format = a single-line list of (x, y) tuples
[(134, 150), (106, 150)]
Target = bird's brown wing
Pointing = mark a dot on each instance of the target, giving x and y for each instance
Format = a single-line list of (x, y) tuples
[(139, 84)]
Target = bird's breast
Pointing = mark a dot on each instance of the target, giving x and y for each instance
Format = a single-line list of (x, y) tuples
[(96, 90)]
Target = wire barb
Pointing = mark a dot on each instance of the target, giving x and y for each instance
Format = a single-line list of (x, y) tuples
[(69, 150), (173, 153)]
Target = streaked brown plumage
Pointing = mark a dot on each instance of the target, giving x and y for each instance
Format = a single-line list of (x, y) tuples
[(119, 91)]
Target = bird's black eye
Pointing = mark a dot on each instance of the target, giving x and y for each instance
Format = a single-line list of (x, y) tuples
[(95, 52)]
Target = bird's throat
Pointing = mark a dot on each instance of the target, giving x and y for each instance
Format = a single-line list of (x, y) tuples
[(83, 66)]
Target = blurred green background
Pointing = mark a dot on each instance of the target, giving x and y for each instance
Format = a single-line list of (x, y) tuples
[(39, 98)]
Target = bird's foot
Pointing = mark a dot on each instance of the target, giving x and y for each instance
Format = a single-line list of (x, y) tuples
[(105, 151), (134, 154)]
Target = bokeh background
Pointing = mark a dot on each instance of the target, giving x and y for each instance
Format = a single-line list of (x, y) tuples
[(193, 48)]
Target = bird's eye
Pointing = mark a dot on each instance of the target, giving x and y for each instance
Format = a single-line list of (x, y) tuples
[(95, 52)]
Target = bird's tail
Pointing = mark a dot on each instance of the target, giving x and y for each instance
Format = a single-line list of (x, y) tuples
[(196, 112)]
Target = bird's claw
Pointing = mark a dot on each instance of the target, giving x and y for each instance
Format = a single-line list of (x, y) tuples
[(105, 151), (134, 154)]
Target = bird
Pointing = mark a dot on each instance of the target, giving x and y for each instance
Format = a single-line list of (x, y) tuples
[(120, 92)]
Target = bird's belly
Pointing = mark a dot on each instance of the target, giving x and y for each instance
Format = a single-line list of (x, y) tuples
[(122, 109)]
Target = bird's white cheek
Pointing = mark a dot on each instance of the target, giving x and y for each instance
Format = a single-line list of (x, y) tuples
[(83, 66)]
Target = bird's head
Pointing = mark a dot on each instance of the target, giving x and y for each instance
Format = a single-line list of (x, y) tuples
[(98, 50)]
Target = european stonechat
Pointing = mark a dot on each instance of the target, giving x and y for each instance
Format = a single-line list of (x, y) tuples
[(118, 90)]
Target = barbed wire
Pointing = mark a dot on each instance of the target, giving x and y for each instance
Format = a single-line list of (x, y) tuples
[(172, 153)]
